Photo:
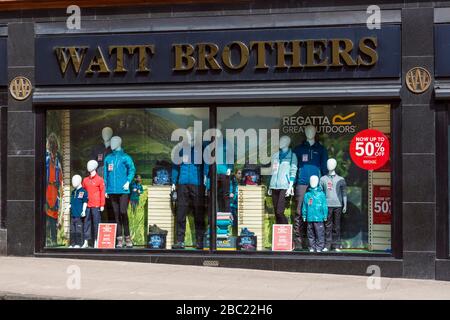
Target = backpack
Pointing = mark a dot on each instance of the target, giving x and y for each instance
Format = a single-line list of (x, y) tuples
[(162, 173), (251, 175)]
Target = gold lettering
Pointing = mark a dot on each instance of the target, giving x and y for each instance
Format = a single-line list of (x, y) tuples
[(261, 53), (119, 58), (206, 55), (369, 51), (244, 54), (142, 55), (282, 53), (72, 55), (345, 53), (98, 62), (183, 57), (314, 54)]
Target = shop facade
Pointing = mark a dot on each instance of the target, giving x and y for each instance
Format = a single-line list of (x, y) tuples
[(288, 89)]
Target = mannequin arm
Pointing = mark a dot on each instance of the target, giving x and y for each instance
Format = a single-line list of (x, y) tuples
[(83, 213), (290, 190), (344, 207)]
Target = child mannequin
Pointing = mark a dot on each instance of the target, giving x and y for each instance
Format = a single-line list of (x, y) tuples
[(78, 205), (315, 212)]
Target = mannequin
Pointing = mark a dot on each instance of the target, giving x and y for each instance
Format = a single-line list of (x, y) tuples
[(335, 189), (188, 179), (78, 205), (95, 187), (284, 169), (312, 160), (315, 212), (100, 151), (224, 169), (119, 171)]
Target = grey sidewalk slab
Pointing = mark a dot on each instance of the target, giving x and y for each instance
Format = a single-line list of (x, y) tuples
[(32, 278)]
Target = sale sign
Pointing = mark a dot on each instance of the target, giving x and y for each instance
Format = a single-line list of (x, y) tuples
[(282, 237), (370, 149), (106, 238), (381, 205)]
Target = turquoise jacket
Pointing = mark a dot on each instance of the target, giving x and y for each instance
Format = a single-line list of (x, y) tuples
[(315, 207), (118, 169), (284, 169)]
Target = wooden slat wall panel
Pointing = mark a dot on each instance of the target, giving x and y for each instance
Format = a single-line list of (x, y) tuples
[(251, 211), (159, 211)]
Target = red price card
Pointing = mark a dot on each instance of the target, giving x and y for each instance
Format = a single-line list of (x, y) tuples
[(382, 212), (282, 237), (370, 149), (106, 238)]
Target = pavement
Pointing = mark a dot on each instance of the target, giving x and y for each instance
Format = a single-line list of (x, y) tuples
[(47, 278)]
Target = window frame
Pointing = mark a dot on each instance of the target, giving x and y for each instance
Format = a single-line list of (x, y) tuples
[(396, 182)]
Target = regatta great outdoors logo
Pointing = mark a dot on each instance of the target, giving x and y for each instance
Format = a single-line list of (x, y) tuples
[(339, 123)]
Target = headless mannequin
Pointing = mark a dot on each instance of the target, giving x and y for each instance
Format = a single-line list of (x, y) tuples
[(335, 188), (190, 194), (223, 176), (311, 156)]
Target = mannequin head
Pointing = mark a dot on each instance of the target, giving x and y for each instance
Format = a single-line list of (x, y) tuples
[(92, 165), (190, 135), (107, 134), (116, 143), (310, 132), (331, 164), (314, 181), (285, 142), (76, 181)]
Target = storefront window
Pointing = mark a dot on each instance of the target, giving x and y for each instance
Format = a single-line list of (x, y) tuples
[(289, 181), (109, 177), (285, 179)]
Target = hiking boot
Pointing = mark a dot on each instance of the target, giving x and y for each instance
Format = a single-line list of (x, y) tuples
[(119, 242), (178, 245), (128, 242)]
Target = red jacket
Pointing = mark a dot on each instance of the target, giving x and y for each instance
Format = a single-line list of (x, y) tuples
[(95, 187)]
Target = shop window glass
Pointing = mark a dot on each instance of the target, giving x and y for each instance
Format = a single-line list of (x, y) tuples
[(137, 170), (272, 158)]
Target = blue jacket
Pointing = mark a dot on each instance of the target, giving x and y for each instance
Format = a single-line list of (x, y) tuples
[(315, 207), (222, 163), (284, 169), (77, 199), (189, 173), (312, 161), (234, 189), (118, 169)]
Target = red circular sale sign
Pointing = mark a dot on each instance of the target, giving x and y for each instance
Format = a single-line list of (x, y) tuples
[(369, 149)]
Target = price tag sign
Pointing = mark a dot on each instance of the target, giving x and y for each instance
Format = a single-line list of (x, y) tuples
[(106, 238), (370, 149), (282, 237), (382, 205)]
